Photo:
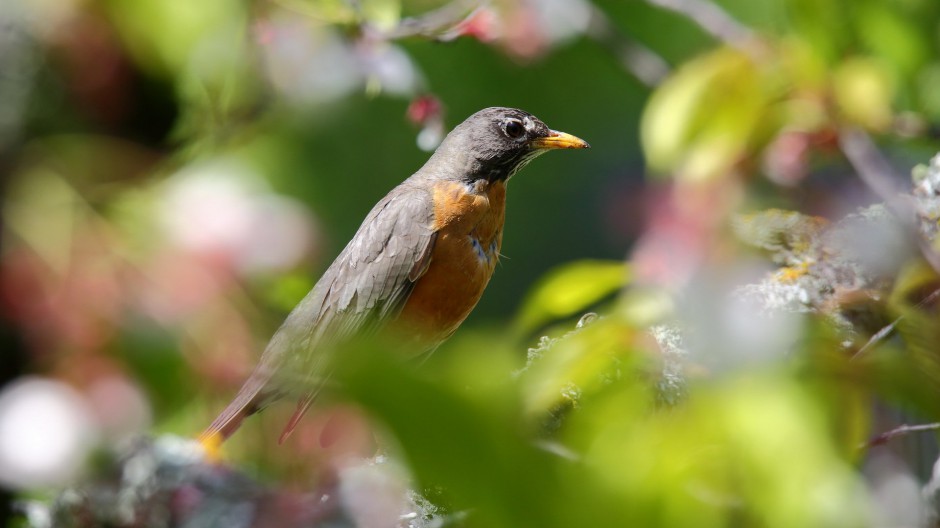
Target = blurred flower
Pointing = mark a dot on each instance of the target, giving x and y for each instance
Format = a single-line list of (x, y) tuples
[(225, 210), (786, 159), (561, 20), (427, 112), (373, 493), (526, 29), (313, 64), (931, 495), (482, 25), (895, 492), (179, 285), (46, 431), (681, 231), (308, 64), (730, 331), (120, 407), (387, 68)]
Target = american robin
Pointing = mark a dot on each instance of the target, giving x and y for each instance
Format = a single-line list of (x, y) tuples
[(420, 260)]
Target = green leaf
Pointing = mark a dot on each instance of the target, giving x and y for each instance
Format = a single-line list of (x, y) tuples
[(469, 442), (569, 289), (703, 119), (384, 14), (864, 91)]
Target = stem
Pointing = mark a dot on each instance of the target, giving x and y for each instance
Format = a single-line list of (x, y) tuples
[(885, 437)]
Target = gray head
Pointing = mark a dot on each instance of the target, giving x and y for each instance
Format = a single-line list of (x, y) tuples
[(494, 144)]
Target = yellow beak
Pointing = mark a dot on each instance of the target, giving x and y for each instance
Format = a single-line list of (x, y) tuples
[(559, 140)]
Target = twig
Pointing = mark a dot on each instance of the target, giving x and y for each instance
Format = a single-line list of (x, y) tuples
[(886, 331), (879, 176), (887, 436), (436, 23), (711, 18), (871, 165), (875, 171), (641, 62)]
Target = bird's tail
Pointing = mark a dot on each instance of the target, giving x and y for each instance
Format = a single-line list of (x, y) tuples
[(249, 400)]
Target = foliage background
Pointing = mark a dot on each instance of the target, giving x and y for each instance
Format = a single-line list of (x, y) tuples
[(176, 174)]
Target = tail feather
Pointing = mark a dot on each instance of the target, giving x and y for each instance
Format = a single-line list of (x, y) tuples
[(249, 400), (302, 405)]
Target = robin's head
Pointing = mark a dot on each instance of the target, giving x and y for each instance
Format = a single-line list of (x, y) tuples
[(495, 143)]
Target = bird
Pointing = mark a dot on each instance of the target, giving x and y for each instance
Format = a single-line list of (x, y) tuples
[(419, 262)]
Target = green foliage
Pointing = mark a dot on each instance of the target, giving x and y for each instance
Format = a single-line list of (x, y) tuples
[(751, 448), (172, 162), (703, 119), (570, 289)]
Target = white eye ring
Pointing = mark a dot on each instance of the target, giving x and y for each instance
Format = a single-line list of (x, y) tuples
[(514, 129)]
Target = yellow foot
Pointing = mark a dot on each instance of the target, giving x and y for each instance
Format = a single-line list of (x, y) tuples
[(212, 446)]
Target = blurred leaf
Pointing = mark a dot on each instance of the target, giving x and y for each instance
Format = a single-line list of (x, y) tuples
[(477, 453), (927, 81), (384, 14), (822, 23), (569, 289), (889, 33), (328, 11), (561, 372), (700, 122), (166, 36), (837, 383), (864, 92), (716, 461), (912, 301)]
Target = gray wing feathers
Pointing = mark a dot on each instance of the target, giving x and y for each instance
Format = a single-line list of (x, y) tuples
[(365, 286)]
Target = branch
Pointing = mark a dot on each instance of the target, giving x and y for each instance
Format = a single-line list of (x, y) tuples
[(887, 330), (879, 176), (437, 23), (711, 18), (885, 437), (641, 62)]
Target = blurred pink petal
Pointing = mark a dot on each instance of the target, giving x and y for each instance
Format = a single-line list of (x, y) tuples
[(224, 209), (120, 407), (681, 234)]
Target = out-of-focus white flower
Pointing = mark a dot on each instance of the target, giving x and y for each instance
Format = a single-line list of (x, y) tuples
[(373, 492), (46, 432), (430, 136), (895, 492), (313, 64), (224, 208), (309, 64), (562, 20), (731, 329), (390, 67)]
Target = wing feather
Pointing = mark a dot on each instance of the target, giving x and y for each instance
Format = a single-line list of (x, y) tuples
[(366, 286)]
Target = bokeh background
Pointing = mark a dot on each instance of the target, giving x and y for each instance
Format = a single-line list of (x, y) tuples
[(175, 175)]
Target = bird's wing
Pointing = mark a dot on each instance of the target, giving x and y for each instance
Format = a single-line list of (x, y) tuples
[(366, 286)]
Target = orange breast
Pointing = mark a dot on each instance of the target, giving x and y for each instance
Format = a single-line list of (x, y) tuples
[(469, 223)]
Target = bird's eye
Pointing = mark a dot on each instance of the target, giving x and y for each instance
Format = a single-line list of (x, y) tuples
[(514, 128)]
